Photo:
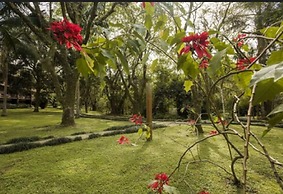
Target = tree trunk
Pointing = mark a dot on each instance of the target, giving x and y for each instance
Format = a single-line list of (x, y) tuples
[(78, 99), (259, 21), (37, 99), (5, 73), (68, 116)]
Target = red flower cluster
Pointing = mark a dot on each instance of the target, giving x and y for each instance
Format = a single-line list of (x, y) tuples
[(123, 140), (203, 64), (214, 132), (242, 63), (151, 3), (67, 33), (239, 39), (158, 183), (198, 43), (137, 119)]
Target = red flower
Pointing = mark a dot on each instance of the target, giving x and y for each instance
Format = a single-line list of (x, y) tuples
[(203, 64), (123, 140), (199, 43), (203, 192), (151, 3), (214, 132), (158, 182), (186, 49), (242, 63), (137, 119), (239, 39), (67, 33)]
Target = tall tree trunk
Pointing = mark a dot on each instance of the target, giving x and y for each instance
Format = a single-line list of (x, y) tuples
[(37, 99), (78, 99), (259, 21), (68, 103), (5, 75)]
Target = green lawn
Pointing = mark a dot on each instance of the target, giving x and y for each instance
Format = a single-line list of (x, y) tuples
[(102, 165)]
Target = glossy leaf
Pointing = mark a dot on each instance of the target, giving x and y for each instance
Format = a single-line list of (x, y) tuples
[(177, 38), (123, 61), (267, 90), (188, 84), (274, 120), (275, 57), (148, 22), (83, 67), (274, 117), (215, 63), (164, 34), (149, 8), (170, 189), (153, 65), (272, 32), (274, 71), (243, 79), (188, 65), (140, 131)]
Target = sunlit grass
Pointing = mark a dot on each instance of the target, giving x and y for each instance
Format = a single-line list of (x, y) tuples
[(102, 165), (26, 123)]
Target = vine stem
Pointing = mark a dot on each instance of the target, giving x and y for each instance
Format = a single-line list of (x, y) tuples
[(247, 140)]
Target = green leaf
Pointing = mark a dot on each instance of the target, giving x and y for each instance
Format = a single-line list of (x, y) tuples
[(272, 32), (149, 9), (274, 117), (265, 132), (170, 189), (164, 34), (147, 135), (275, 57), (148, 22), (273, 71), (215, 63), (140, 131), (188, 84), (188, 65), (134, 46), (267, 90), (83, 67), (242, 80), (178, 21), (153, 65), (190, 23), (123, 61), (220, 45), (140, 29), (210, 32), (177, 38), (162, 19), (145, 58), (214, 40)]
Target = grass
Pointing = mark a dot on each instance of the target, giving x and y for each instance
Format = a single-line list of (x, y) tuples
[(101, 165), (26, 123)]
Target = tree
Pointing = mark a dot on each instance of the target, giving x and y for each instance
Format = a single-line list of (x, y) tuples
[(87, 15)]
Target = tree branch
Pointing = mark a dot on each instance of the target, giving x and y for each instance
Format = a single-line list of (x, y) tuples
[(92, 16)]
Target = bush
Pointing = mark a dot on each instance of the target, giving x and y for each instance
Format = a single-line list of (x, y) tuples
[(19, 147), (94, 135), (57, 141), (78, 139)]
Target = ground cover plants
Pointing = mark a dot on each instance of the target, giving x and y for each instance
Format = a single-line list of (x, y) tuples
[(89, 166)]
